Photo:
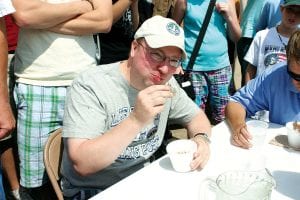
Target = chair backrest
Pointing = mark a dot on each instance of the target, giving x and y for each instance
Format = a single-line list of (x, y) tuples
[(52, 160)]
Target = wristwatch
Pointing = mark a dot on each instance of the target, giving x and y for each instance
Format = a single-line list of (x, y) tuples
[(204, 136)]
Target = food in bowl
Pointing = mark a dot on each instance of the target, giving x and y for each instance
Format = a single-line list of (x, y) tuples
[(296, 126)]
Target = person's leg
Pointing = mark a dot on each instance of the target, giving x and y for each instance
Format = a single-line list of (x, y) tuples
[(2, 193), (219, 83), (9, 168), (231, 53), (201, 90), (242, 47), (40, 112), (44, 192)]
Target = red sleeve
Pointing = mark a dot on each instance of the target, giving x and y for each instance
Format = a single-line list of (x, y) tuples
[(12, 32)]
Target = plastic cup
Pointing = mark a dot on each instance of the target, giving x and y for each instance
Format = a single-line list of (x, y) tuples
[(293, 135), (258, 130), (181, 153)]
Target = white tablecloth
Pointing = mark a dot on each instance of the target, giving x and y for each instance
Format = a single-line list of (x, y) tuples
[(159, 181)]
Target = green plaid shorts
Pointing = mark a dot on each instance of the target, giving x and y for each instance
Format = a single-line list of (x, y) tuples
[(40, 112)]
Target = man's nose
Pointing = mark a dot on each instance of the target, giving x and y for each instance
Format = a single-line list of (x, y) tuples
[(165, 67)]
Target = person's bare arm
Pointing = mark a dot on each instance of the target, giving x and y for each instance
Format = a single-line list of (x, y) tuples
[(200, 124), (179, 11), (194, 126), (119, 7), (98, 20), (250, 72), (235, 116), (228, 11), (85, 153), (7, 120), (36, 14), (135, 14)]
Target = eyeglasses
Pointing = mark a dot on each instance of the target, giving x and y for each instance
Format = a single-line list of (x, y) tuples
[(160, 58), (293, 75)]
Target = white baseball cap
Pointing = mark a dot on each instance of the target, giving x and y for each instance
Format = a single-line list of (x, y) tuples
[(160, 32)]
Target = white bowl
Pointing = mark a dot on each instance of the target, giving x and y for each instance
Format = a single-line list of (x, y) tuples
[(293, 135), (181, 153)]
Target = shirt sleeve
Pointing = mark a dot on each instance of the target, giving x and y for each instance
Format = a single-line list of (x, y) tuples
[(84, 116), (6, 7), (252, 96)]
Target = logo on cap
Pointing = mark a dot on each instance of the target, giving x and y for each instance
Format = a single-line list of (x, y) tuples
[(173, 28)]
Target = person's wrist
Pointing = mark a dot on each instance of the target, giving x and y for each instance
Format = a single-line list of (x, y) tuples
[(136, 120), (203, 136), (238, 128)]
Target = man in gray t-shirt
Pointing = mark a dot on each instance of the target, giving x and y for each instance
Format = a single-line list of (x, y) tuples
[(116, 114)]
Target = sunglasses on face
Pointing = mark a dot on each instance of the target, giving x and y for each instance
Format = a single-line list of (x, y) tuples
[(293, 75)]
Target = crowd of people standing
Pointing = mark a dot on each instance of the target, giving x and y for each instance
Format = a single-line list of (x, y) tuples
[(102, 71)]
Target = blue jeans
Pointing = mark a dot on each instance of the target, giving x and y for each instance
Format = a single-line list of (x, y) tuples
[(2, 194)]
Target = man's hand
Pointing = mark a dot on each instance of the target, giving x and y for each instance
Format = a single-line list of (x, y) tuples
[(241, 137), (202, 155), (226, 10), (7, 121), (150, 102)]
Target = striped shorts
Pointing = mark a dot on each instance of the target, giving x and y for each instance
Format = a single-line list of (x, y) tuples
[(40, 112)]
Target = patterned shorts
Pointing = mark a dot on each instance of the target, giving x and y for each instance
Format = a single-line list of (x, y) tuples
[(40, 112), (212, 88)]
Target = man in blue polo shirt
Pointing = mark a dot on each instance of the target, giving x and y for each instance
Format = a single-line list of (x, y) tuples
[(276, 90)]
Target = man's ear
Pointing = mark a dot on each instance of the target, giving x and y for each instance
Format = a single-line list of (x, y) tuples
[(281, 8), (134, 45)]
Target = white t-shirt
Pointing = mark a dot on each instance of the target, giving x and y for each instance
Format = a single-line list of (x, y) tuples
[(6, 7), (46, 58), (267, 49)]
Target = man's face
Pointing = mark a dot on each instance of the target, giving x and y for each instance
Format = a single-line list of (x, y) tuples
[(155, 66), (294, 72), (291, 16)]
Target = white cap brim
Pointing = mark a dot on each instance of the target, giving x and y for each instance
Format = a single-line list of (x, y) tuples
[(157, 42)]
